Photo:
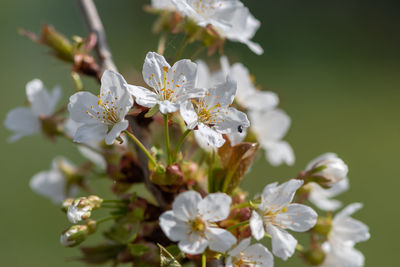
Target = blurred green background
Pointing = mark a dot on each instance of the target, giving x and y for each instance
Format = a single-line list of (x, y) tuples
[(335, 65)]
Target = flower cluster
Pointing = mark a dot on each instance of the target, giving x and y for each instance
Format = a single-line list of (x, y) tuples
[(175, 149)]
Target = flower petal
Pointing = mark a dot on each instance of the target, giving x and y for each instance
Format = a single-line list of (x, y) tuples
[(168, 107), (282, 194), (189, 115), (259, 255), (269, 126), (193, 244), (174, 228), (283, 243), (278, 153), (89, 132), (23, 122), (220, 240), (257, 225), (144, 96), (240, 247), (39, 98), (299, 218), (116, 131), (182, 76), (209, 136), (185, 205), (215, 207), (153, 72), (222, 95), (232, 120), (82, 103)]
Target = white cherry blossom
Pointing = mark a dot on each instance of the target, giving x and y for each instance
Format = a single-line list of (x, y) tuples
[(25, 121), (172, 85), (212, 115), (270, 127), (192, 222), (244, 254), (276, 213), (334, 169), (344, 234), (54, 183), (322, 198), (102, 116)]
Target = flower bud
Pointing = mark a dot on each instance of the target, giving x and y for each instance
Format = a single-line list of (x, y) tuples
[(79, 210), (323, 226), (66, 204), (73, 236), (92, 226), (315, 256), (95, 202), (328, 166)]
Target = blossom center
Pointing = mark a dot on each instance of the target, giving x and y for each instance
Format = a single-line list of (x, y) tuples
[(208, 114), (205, 7), (241, 261), (197, 226), (270, 215), (107, 112)]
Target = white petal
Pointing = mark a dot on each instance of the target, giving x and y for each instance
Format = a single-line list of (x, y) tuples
[(223, 94), (185, 205), (203, 79), (260, 255), (240, 247), (168, 107), (88, 132), (269, 126), (342, 256), (94, 157), (237, 137), (23, 122), (279, 152), (153, 73), (215, 207), (191, 93), (174, 228), (193, 244), (188, 114), (209, 136), (144, 97), (220, 240), (299, 218), (182, 76), (319, 159), (255, 47), (320, 197), (282, 194), (232, 120), (257, 225), (116, 131), (283, 243), (39, 98), (262, 100), (348, 211), (81, 102)]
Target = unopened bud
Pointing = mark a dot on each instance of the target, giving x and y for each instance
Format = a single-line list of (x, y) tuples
[(328, 166), (92, 226), (95, 202), (73, 236), (66, 203), (315, 256), (79, 210)]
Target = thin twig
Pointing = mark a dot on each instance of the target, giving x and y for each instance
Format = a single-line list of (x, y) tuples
[(95, 26)]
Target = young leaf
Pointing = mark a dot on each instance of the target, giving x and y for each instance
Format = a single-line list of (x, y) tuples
[(167, 260)]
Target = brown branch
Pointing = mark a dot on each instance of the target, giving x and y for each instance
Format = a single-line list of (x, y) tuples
[(95, 25), (93, 21)]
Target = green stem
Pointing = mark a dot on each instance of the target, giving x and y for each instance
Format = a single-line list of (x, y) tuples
[(178, 146), (204, 260), (106, 219), (167, 144), (161, 44), (197, 52), (240, 205), (237, 225), (142, 147), (210, 178)]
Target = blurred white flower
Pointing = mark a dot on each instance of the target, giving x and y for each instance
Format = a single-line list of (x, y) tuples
[(333, 168), (26, 120), (229, 18), (192, 222), (163, 4), (276, 213), (270, 127), (212, 115), (344, 234), (247, 95), (322, 198), (172, 86), (54, 183), (79, 210), (255, 255), (103, 117)]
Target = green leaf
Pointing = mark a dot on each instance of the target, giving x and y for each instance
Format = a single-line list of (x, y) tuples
[(152, 111), (137, 249), (167, 260)]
